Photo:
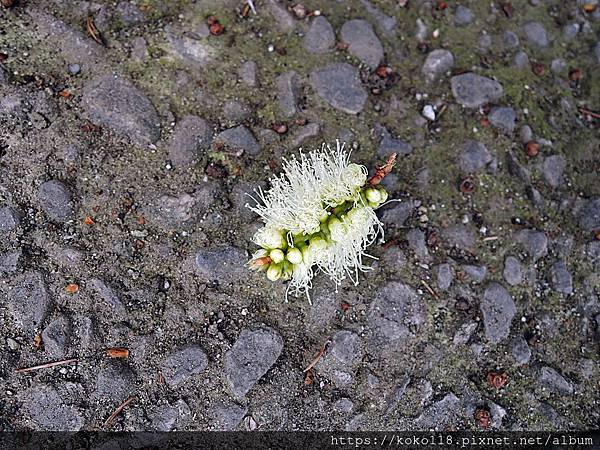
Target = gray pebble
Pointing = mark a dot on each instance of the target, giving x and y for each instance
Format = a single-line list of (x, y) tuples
[(340, 86), (395, 314), (118, 105), (503, 118), (247, 73), (252, 355), (535, 34), (55, 199), (512, 272), (56, 337), (167, 417), (510, 39), (115, 381), (474, 273), (555, 382), (227, 416), (444, 275), (463, 16), (438, 62), (534, 241), (570, 31), (48, 411), (9, 219), (288, 91), (29, 302), (562, 280), (320, 37), (416, 242), (498, 309), (553, 168), (74, 69), (389, 144), (239, 138), (191, 138), (183, 364), (520, 350), (225, 264), (459, 236), (473, 91), (362, 42), (473, 156), (521, 60), (304, 133), (589, 215)]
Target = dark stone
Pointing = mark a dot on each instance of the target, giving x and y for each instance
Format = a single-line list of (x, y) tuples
[(589, 215), (130, 14), (389, 144), (510, 39), (191, 138), (385, 24), (535, 34), (225, 264), (288, 91), (227, 416), (463, 16), (252, 355), (473, 91), (9, 262), (474, 273), (183, 364), (520, 350), (498, 309), (320, 37), (118, 105), (362, 42), (167, 417), (247, 73), (534, 241), (238, 138), (438, 62), (9, 219), (396, 314), (56, 337), (236, 112), (395, 214), (459, 236), (555, 382), (28, 301), (444, 275), (442, 415), (55, 200), (109, 300), (562, 281), (473, 156), (339, 85), (416, 242), (115, 381), (48, 411), (512, 271), (504, 118), (553, 169)]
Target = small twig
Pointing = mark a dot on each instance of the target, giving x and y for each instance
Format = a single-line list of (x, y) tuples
[(47, 365), (118, 410), (429, 289), (317, 358), (587, 112), (490, 238), (93, 31)]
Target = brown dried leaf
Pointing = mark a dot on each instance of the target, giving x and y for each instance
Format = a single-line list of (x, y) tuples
[(117, 352)]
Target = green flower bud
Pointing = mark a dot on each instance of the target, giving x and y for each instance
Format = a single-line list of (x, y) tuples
[(287, 270), (294, 255), (373, 195), (277, 256), (274, 272), (384, 194)]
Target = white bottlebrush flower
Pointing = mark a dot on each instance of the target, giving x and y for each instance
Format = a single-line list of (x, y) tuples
[(319, 215)]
